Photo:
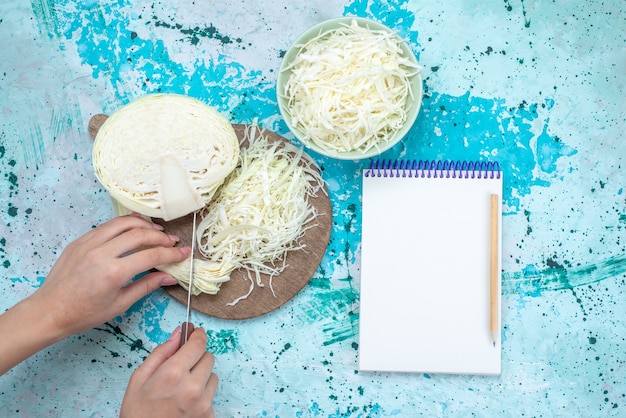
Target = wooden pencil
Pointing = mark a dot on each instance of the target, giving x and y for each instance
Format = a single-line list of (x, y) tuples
[(494, 289)]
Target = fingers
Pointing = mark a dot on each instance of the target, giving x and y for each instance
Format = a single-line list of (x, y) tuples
[(135, 238), (128, 234), (130, 266), (149, 258), (134, 291), (203, 383), (185, 358), (163, 278), (116, 226), (202, 370), (183, 377), (212, 385), (159, 356), (193, 350)]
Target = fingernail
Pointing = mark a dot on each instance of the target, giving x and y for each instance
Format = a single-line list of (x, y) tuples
[(168, 281), (173, 237), (157, 227), (174, 333), (185, 250)]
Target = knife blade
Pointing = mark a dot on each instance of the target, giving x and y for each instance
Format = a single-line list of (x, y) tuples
[(187, 327)]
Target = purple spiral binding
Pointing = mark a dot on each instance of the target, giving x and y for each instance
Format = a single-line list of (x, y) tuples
[(434, 169)]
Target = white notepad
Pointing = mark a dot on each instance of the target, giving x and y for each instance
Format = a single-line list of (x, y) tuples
[(425, 263)]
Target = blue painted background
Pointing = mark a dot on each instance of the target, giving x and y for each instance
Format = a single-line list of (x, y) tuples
[(540, 86)]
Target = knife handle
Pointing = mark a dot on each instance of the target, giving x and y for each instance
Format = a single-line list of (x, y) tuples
[(186, 330)]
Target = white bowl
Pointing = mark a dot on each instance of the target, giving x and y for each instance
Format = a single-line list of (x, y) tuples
[(412, 105)]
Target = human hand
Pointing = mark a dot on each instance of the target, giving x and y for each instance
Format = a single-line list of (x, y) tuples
[(173, 382), (89, 284)]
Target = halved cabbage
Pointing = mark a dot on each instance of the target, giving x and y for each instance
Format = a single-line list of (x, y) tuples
[(164, 155)]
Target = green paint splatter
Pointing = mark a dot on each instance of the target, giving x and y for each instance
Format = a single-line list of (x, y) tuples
[(138, 344), (45, 14), (222, 341), (341, 330), (12, 211), (286, 347), (533, 282), (12, 179), (133, 344), (194, 34), (322, 283)]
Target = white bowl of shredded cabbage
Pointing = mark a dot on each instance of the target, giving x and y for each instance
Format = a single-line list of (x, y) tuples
[(349, 88)]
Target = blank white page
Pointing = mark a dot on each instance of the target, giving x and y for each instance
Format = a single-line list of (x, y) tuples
[(424, 304)]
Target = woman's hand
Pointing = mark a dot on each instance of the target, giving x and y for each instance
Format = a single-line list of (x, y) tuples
[(173, 382), (89, 285)]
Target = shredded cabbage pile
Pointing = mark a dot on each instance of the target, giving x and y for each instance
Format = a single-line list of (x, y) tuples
[(348, 88), (257, 216)]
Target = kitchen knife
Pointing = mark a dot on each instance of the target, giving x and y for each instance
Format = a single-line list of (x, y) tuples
[(187, 327)]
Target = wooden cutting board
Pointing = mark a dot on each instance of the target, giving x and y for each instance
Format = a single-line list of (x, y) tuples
[(301, 264)]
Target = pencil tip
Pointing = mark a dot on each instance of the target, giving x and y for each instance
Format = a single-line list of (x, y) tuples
[(494, 343)]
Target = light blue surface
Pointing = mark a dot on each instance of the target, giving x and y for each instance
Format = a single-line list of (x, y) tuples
[(539, 86)]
